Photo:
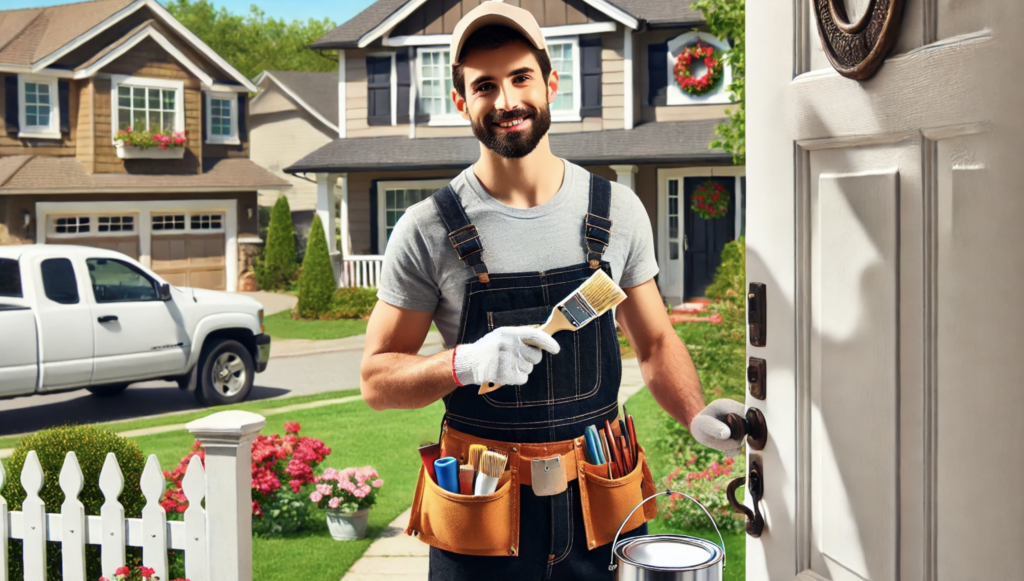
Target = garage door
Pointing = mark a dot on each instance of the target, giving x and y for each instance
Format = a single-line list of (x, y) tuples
[(195, 260), (113, 232)]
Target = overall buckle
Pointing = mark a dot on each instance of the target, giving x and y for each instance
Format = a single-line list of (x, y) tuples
[(548, 476)]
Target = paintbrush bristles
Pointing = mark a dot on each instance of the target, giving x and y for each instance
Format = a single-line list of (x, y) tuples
[(493, 464), (601, 292), (475, 453)]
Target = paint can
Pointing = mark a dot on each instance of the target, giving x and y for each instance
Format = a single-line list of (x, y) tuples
[(667, 557)]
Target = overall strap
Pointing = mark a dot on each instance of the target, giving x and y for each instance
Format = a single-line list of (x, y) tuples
[(461, 233), (598, 228)]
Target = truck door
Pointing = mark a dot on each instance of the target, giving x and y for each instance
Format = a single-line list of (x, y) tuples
[(65, 325)]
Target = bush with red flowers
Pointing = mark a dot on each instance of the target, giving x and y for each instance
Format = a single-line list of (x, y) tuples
[(276, 461), (710, 200), (705, 83), (148, 139), (126, 573), (708, 486)]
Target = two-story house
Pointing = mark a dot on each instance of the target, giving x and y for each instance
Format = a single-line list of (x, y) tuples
[(71, 77), (621, 114)]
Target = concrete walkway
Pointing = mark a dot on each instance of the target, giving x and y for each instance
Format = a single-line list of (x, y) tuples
[(273, 302), (395, 555)]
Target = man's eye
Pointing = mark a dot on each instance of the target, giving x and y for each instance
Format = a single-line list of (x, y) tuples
[(524, 77), (483, 87)]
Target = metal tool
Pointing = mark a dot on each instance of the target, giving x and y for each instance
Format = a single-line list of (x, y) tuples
[(548, 476)]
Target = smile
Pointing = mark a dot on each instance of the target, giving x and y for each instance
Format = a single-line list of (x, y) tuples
[(511, 122)]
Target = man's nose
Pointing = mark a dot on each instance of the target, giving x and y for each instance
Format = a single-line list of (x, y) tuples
[(506, 100)]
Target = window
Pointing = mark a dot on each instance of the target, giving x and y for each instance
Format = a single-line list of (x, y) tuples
[(673, 219), (392, 200), (116, 224), (436, 83), (71, 225), (565, 59), (147, 108), (59, 283), (85, 225), (114, 281), (222, 118), (378, 89), (10, 278), (164, 222), (39, 112), (207, 221)]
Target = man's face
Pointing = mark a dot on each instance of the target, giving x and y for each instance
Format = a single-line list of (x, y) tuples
[(507, 99)]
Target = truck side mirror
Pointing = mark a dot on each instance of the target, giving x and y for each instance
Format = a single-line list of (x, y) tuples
[(165, 292)]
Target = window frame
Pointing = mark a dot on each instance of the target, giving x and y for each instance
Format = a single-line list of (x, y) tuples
[(234, 138), (383, 187), (94, 225), (188, 222), (153, 283), (435, 119), (569, 115), (117, 81), (49, 131)]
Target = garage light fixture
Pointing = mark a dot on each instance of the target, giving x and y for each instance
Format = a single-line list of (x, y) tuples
[(26, 216)]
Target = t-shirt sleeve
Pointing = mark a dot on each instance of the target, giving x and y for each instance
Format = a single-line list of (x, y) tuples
[(407, 279), (641, 264)]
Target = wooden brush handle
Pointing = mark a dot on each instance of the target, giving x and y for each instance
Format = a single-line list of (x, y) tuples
[(557, 323)]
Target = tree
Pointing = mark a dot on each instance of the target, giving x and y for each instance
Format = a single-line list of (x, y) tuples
[(727, 19), (254, 43), (316, 282), (277, 266)]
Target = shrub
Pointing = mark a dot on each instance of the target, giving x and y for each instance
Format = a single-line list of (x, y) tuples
[(316, 283), (277, 265), (731, 276), (353, 303), (90, 445), (349, 490), (707, 486)]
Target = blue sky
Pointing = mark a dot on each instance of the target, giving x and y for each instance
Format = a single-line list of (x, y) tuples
[(337, 10)]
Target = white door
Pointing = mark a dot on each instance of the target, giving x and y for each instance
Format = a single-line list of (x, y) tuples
[(137, 335), (670, 236), (885, 227), (65, 323)]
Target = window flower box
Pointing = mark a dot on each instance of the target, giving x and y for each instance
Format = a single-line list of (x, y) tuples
[(149, 145), (136, 152)]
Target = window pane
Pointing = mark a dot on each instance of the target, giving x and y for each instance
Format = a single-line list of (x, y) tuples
[(139, 97), (154, 98), (124, 118), (10, 278), (124, 97), (673, 251), (59, 282), (44, 118), (114, 281), (673, 227), (390, 200), (169, 121), (43, 89), (154, 121), (139, 119), (169, 100)]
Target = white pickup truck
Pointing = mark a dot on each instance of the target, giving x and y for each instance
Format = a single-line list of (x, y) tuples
[(80, 317)]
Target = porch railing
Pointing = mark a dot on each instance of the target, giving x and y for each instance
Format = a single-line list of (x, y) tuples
[(361, 271)]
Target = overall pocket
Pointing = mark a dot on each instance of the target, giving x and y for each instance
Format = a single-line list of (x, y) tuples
[(608, 501), (485, 525)]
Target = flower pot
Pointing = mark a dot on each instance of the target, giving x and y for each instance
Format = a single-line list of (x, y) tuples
[(347, 526), (133, 152)]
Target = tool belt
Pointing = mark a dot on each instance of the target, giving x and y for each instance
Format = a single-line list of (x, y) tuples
[(488, 525)]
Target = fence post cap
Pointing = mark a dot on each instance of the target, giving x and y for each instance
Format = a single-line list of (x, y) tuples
[(231, 424)]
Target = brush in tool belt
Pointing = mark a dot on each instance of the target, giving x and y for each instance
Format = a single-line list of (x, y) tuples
[(594, 298), (492, 466), (466, 474)]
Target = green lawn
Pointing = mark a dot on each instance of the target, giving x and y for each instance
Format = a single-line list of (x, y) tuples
[(283, 326)]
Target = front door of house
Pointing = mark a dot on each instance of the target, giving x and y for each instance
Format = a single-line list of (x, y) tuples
[(705, 237), (885, 229)]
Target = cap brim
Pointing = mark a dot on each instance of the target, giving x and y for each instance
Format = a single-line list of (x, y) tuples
[(486, 19)]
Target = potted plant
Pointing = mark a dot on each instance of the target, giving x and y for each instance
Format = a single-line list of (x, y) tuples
[(156, 144), (347, 496), (126, 573)]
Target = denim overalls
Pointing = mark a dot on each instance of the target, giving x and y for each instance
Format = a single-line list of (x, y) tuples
[(565, 393)]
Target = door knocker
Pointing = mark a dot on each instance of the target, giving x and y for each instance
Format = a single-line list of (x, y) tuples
[(857, 49)]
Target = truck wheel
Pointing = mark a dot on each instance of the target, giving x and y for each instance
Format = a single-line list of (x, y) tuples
[(107, 390), (226, 373)]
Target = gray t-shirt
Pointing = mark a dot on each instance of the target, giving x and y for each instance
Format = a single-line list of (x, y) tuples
[(422, 271)]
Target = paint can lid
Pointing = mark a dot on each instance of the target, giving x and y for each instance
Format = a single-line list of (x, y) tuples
[(669, 552)]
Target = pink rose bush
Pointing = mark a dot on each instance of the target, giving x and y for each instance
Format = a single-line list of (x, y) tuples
[(348, 490)]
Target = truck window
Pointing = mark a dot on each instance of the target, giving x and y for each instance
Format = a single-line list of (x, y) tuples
[(114, 281), (59, 282), (10, 278)]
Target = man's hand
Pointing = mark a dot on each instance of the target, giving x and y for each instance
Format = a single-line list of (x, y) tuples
[(709, 427), (505, 356)]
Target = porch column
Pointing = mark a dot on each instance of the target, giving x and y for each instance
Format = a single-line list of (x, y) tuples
[(626, 175), (346, 234), (627, 77), (325, 186), (341, 95)]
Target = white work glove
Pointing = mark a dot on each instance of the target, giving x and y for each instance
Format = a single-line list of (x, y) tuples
[(505, 356), (709, 427)]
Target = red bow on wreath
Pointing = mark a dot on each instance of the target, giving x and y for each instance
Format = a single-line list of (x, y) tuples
[(705, 83)]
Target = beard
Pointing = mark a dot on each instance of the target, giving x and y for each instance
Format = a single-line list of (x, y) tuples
[(512, 144)]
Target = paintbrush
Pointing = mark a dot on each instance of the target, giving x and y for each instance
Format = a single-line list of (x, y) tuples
[(595, 297), (492, 466), (466, 479)]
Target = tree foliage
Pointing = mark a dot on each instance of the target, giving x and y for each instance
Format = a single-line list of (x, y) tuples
[(727, 19), (316, 282), (277, 265), (253, 43)]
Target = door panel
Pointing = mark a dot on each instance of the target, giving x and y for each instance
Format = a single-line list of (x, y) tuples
[(195, 260), (705, 238), (65, 324), (128, 246)]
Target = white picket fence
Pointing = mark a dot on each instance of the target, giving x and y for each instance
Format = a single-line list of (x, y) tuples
[(217, 540), (361, 270)]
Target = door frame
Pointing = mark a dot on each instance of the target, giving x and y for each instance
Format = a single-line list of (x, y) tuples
[(668, 173), (144, 210)]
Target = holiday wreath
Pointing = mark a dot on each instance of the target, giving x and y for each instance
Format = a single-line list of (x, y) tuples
[(710, 200), (702, 84)]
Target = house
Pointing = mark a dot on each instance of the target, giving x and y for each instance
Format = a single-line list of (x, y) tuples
[(72, 77), (621, 115)]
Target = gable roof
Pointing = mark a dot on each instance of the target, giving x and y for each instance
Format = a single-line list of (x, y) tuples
[(317, 93), (653, 12)]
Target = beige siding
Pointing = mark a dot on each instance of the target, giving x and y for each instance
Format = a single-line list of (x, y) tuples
[(270, 100), (280, 139)]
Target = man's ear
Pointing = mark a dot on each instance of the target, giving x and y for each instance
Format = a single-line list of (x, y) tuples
[(552, 86), (460, 105)]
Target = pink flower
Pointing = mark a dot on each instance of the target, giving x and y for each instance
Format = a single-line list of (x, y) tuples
[(315, 496), (378, 483), (334, 502), (324, 489), (123, 570), (292, 427), (146, 572), (359, 493)]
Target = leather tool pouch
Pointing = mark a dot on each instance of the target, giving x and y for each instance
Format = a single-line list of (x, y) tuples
[(607, 502)]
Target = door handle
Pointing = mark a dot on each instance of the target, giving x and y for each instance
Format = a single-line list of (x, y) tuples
[(107, 319), (752, 427), (755, 486), (686, 243)]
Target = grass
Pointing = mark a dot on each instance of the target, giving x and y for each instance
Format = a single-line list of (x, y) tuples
[(283, 326)]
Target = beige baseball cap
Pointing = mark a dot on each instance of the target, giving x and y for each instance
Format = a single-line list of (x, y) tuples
[(496, 12)]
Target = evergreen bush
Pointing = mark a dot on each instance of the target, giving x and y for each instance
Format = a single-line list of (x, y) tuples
[(731, 276), (316, 281), (277, 265), (353, 303), (90, 445)]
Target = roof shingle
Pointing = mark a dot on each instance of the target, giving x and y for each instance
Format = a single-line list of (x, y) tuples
[(318, 90), (28, 36)]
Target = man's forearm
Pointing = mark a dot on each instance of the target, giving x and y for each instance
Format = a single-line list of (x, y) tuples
[(672, 379), (403, 381)]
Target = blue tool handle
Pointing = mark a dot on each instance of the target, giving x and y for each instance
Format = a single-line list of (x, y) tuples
[(592, 456), (447, 470)]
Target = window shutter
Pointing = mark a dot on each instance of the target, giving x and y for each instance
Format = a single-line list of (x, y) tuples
[(404, 85), (590, 71), (204, 111), (374, 209), (63, 94), (11, 104), (243, 128), (378, 90), (657, 74)]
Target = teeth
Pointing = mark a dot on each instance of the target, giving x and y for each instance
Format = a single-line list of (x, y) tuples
[(512, 123)]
